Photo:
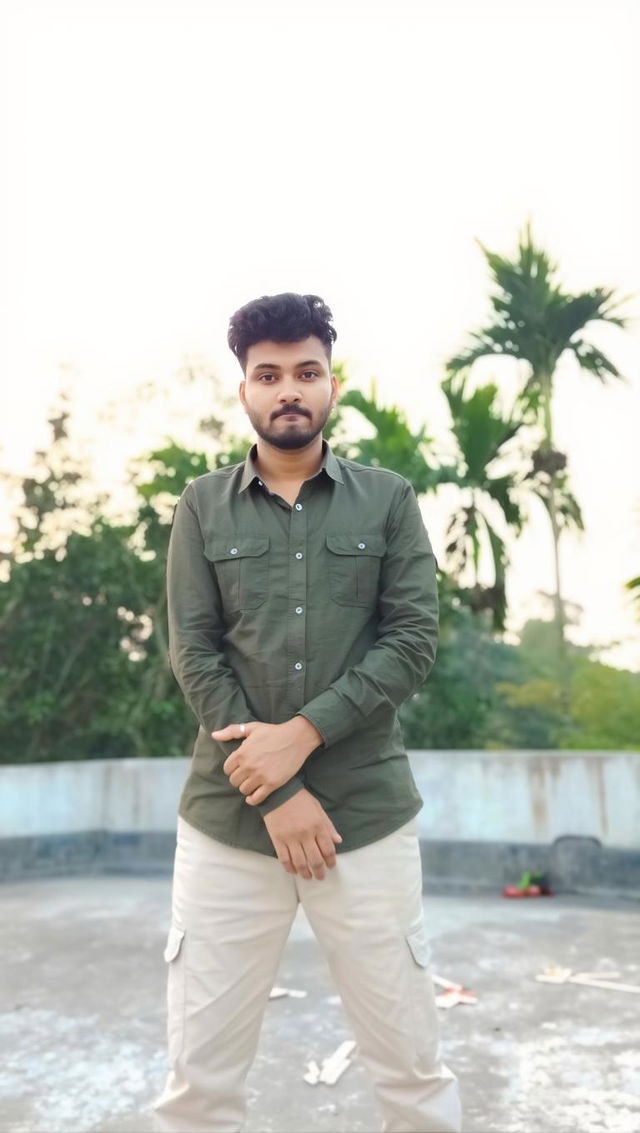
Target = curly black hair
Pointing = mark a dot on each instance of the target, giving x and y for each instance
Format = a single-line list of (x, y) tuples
[(281, 318)]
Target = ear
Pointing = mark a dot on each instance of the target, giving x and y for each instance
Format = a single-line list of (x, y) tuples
[(335, 389), (242, 394)]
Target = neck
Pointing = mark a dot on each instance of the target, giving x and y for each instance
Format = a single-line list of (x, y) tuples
[(293, 465)]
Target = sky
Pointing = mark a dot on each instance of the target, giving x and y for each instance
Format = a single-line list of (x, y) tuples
[(167, 162)]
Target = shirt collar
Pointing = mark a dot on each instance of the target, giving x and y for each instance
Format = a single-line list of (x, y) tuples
[(329, 464)]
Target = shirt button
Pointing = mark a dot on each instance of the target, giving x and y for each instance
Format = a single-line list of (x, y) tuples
[(298, 665), (298, 507), (361, 546), (298, 554), (298, 609), (260, 482), (233, 551)]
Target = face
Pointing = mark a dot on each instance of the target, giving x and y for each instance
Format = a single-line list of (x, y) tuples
[(288, 391)]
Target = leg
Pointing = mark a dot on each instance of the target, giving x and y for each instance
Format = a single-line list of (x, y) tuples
[(367, 916), (231, 914)]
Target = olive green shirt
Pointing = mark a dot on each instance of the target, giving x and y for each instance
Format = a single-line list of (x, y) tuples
[(328, 610)]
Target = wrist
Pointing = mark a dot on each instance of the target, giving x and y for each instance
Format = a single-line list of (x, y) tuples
[(306, 733)]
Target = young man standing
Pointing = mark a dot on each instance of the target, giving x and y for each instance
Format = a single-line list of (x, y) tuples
[(303, 611)]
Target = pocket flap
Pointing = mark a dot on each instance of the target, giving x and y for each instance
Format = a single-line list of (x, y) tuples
[(217, 548), (357, 544), (174, 942), (420, 947)]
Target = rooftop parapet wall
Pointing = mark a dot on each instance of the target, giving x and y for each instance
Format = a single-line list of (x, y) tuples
[(494, 796), (487, 817)]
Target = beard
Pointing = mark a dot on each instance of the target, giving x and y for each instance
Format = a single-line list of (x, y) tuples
[(292, 434)]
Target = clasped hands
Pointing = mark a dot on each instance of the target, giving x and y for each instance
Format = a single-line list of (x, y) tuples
[(303, 835), (269, 755)]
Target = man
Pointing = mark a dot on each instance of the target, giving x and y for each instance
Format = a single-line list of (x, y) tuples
[(302, 609)]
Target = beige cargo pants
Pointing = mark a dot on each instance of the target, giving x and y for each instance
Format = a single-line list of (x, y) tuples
[(231, 915)]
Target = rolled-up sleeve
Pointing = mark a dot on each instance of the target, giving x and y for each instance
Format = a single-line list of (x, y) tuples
[(402, 657)]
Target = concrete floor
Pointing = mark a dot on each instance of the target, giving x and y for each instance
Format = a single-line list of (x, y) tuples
[(82, 1015)]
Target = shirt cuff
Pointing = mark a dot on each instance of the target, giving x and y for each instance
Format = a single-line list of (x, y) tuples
[(327, 712), (281, 795)]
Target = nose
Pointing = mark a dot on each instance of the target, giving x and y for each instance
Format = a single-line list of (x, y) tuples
[(288, 395)]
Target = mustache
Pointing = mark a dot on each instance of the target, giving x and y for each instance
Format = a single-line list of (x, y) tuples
[(291, 409)]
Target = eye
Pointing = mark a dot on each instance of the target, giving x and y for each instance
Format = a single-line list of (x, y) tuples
[(262, 377), (309, 373)]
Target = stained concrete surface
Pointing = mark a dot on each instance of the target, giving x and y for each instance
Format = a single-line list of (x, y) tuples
[(82, 1015)]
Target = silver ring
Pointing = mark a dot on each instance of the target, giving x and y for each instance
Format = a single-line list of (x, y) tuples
[(243, 728)]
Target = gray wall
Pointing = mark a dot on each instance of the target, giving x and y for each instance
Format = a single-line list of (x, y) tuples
[(486, 816)]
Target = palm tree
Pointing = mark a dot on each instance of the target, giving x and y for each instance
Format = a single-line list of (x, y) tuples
[(481, 431), (536, 322), (394, 445)]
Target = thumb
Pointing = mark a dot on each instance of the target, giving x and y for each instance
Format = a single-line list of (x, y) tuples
[(336, 837)]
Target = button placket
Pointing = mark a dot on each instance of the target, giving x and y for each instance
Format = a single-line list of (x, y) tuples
[(296, 616)]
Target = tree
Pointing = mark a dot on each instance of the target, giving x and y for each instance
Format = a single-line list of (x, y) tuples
[(481, 432), (394, 444), (535, 321)]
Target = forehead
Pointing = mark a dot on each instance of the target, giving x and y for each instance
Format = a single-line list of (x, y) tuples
[(286, 354)]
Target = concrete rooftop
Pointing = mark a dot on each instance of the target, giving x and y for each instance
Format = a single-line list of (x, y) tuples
[(82, 1015)]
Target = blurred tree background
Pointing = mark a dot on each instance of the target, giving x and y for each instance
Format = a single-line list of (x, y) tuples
[(84, 668)]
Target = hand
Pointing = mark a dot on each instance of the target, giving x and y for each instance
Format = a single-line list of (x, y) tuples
[(269, 755), (303, 835)]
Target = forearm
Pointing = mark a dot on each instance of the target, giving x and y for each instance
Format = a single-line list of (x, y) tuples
[(309, 738), (389, 673), (403, 656), (196, 626)]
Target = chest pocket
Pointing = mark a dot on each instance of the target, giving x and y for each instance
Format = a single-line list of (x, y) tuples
[(354, 568), (241, 563)]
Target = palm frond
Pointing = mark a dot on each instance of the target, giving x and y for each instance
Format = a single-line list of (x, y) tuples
[(593, 361), (478, 426)]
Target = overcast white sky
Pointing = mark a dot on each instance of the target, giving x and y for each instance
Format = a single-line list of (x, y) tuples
[(166, 162)]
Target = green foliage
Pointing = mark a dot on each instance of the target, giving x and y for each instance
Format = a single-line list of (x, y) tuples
[(481, 432), (454, 708), (84, 666), (534, 320), (490, 695), (394, 445), (84, 669)]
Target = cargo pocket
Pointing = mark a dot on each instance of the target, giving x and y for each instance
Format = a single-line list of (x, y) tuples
[(241, 564), (419, 947), (425, 1016), (354, 568), (174, 956)]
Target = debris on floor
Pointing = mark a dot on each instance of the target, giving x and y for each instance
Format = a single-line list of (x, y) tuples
[(605, 980), (332, 1067), (531, 884), (453, 993), (281, 992)]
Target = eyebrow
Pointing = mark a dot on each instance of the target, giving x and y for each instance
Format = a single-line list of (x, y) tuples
[(275, 366)]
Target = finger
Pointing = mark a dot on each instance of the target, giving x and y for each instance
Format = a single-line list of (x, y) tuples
[(284, 857), (315, 861), (298, 857), (228, 733), (249, 784), (232, 761), (258, 796), (241, 784), (334, 834), (327, 849), (236, 777), (231, 732)]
